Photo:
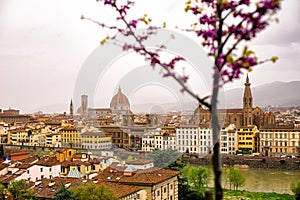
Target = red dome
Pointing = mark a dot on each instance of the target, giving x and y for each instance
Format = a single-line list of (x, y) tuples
[(119, 99)]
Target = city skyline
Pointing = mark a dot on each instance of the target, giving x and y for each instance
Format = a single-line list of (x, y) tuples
[(44, 45)]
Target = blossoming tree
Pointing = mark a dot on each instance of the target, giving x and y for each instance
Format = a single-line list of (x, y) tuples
[(222, 27)]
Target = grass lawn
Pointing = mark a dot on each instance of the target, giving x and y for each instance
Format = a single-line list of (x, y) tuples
[(245, 195)]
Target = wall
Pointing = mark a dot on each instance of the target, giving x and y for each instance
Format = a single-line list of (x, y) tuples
[(254, 162)]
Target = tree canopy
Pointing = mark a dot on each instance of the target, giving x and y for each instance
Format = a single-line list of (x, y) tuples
[(295, 187), (93, 192), (19, 190), (236, 178), (64, 194), (197, 176)]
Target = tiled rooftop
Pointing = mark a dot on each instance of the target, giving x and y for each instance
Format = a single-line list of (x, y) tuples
[(144, 177), (47, 188)]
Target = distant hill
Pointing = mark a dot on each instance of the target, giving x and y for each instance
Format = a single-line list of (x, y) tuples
[(275, 94)]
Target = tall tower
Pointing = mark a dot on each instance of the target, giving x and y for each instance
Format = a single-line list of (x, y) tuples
[(71, 108), (84, 105), (247, 104)]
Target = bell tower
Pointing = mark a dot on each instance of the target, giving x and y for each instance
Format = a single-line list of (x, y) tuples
[(84, 105), (247, 104), (71, 108)]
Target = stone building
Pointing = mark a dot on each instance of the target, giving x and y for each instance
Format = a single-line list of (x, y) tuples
[(12, 116), (241, 117), (158, 183)]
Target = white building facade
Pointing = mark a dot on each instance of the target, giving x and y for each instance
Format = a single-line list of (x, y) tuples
[(228, 140), (205, 140), (37, 172), (187, 139)]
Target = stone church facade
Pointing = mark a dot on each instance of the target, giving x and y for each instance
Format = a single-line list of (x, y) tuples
[(241, 117)]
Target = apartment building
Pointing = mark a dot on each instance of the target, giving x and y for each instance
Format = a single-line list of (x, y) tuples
[(280, 140), (187, 139)]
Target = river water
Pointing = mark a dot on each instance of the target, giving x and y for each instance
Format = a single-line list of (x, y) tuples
[(268, 180)]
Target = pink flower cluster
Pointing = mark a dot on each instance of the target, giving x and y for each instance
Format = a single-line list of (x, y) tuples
[(229, 23)]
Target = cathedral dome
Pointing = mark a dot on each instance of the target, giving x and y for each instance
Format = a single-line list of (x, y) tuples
[(119, 99)]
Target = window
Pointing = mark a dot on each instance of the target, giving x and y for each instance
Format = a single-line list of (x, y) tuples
[(171, 186), (41, 170), (28, 172), (50, 169), (158, 193), (165, 190)]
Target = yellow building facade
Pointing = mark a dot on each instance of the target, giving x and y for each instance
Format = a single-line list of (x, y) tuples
[(65, 154), (71, 137), (248, 139)]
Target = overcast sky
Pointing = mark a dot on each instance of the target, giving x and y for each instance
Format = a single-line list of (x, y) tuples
[(43, 45)]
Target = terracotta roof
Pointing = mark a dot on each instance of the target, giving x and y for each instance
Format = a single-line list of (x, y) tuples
[(119, 99), (13, 115), (57, 123), (279, 128), (23, 166), (61, 150), (29, 160), (70, 128), (47, 188), (3, 166), (19, 130), (68, 163), (95, 161), (19, 153), (48, 161), (149, 176)]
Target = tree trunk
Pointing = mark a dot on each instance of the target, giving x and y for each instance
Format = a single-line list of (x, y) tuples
[(216, 132)]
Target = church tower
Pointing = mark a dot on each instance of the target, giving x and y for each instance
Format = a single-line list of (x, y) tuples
[(71, 108), (84, 105), (247, 104)]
